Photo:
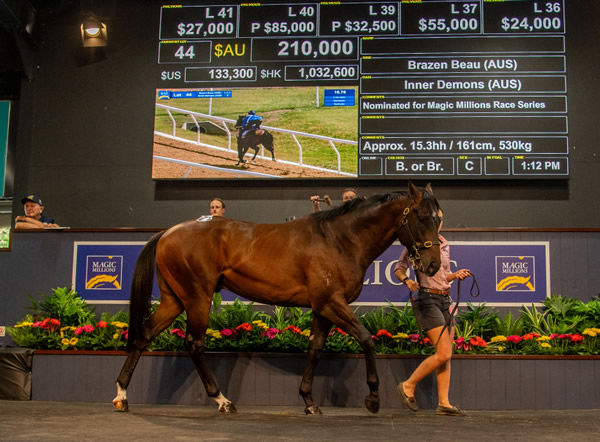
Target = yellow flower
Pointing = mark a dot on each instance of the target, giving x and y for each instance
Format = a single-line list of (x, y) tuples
[(545, 345), (543, 338), (500, 348), (305, 332), (73, 341), (399, 336), (499, 338), (65, 341), (120, 324), (260, 324), (590, 332), (214, 333), (116, 335), (24, 324)]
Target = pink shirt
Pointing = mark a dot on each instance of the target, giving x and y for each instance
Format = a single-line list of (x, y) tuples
[(439, 281)]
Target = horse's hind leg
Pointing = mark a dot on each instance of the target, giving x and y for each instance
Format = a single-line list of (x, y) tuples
[(166, 312), (195, 339), (318, 335)]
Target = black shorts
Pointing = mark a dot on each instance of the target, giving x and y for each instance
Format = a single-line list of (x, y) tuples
[(432, 310)]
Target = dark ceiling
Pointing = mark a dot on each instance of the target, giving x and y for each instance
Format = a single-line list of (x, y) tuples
[(20, 23)]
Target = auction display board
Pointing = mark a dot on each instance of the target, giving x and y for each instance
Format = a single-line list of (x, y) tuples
[(466, 89)]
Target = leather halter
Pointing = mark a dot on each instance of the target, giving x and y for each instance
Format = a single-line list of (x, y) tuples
[(417, 246)]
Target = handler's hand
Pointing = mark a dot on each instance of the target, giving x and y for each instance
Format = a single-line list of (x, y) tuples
[(462, 274), (412, 285)]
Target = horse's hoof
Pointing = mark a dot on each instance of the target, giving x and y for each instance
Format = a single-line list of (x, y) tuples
[(227, 408), (121, 404), (313, 409), (372, 404)]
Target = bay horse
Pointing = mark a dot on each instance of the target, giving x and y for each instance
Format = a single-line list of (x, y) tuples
[(318, 261), (252, 139)]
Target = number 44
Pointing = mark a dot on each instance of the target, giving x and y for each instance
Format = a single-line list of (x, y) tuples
[(183, 52)]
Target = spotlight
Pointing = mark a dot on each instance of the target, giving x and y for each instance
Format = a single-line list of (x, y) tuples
[(93, 32)]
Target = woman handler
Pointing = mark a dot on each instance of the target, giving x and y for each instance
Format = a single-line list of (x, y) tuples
[(432, 311)]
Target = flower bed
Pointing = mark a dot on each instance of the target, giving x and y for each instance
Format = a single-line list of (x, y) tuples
[(63, 321)]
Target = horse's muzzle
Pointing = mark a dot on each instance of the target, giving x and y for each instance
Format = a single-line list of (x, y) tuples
[(432, 268)]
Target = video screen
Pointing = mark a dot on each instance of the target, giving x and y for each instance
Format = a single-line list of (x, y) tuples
[(292, 132)]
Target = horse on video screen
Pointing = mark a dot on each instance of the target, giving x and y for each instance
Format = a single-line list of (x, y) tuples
[(251, 139), (318, 261)]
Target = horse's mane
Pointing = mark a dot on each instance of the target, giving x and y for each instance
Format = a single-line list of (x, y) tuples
[(357, 204)]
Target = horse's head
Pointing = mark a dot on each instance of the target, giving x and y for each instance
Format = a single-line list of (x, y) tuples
[(239, 121), (419, 229)]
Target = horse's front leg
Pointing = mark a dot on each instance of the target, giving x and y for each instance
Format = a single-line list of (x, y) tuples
[(255, 153), (241, 153), (342, 315), (318, 335)]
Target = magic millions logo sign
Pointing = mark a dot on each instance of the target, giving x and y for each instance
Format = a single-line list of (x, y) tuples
[(104, 273), (515, 273)]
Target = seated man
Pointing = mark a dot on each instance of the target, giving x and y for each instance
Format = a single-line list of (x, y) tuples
[(34, 218), (251, 122)]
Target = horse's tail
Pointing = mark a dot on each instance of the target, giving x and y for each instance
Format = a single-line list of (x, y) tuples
[(140, 296)]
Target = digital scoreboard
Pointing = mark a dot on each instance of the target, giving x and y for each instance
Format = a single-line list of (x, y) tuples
[(366, 89)]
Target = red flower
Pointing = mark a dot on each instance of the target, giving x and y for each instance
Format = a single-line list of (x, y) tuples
[(126, 333), (245, 326), (576, 337), (228, 332), (178, 332), (384, 332), (530, 336), (293, 329), (338, 330), (427, 341), (50, 324), (461, 344), (270, 333), (478, 341), (414, 337), (101, 324), (514, 338)]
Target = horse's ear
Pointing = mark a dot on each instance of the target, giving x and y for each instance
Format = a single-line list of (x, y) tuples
[(429, 189), (415, 193)]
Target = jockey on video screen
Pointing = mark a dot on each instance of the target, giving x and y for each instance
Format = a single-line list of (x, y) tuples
[(251, 122)]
